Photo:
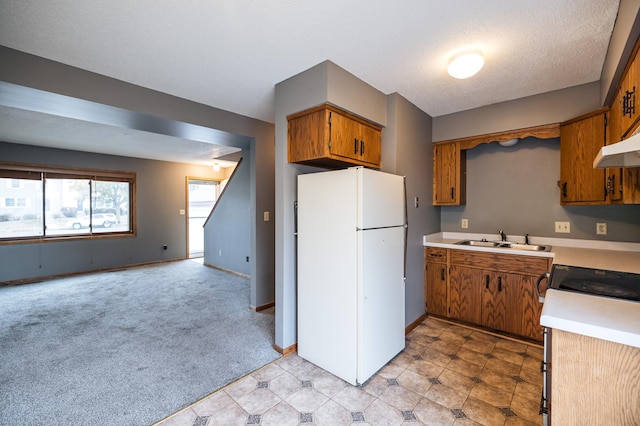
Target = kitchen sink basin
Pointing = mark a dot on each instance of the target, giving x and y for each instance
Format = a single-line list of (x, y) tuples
[(504, 245), (478, 243), (532, 247)]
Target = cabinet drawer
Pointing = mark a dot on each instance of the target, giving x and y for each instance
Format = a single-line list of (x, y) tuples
[(500, 262), (435, 254)]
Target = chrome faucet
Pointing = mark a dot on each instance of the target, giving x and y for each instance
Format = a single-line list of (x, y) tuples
[(503, 236)]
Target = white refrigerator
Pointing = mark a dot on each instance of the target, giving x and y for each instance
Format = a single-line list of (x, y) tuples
[(350, 270)]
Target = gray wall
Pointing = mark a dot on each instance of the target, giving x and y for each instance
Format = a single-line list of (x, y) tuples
[(406, 150), (546, 108), (325, 82), (160, 195), (32, 71), (515, 189), (227, 232), (406, 144)]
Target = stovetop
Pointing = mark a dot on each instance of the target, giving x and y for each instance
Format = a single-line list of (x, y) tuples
[(620, 285)]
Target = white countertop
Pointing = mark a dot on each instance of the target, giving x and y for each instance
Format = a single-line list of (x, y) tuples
[(604, 318)]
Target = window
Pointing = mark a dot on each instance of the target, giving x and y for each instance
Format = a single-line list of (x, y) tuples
[(53, 203)]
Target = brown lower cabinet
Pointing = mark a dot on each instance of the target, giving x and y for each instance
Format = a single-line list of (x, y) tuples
[(435, 295), (492, 290)]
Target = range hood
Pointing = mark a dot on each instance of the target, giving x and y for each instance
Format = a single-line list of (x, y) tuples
[(625, 153)]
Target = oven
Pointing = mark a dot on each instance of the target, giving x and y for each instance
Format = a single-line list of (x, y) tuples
[(595, 282)]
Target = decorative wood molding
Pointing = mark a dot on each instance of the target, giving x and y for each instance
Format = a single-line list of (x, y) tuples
[(546, 131)]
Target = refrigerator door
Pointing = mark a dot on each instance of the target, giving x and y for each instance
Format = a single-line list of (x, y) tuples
[(381, 198), (327, 271), (381, 299)]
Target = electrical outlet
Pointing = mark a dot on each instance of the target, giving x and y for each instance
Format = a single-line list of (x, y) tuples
[(601, 228), (563, 227), (465, 223), (265, 216)]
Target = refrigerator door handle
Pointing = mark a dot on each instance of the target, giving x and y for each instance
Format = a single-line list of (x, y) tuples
[(406, 227)]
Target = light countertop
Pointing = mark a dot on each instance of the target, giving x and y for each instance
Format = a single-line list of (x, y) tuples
[(604, 318)]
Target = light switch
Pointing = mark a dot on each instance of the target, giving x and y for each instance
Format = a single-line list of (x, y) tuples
[(266, 216), (182, 212)]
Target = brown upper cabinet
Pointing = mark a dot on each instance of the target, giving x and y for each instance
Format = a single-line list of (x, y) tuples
[(329, 137), (580, 140), (582, 137), (449, 181), (623, 122), (449, 160)]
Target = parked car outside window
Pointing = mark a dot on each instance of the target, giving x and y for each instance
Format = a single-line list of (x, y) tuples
[(99, 220)]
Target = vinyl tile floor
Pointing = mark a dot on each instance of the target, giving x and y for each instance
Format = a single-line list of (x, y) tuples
[(446, 375)]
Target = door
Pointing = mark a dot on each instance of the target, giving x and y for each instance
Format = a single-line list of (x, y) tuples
[(381, 199), (465, 300), (436, 288), (580, 142), (380, 298), (202, 194)]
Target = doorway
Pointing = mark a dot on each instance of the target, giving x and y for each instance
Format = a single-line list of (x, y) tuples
[(202, 194)]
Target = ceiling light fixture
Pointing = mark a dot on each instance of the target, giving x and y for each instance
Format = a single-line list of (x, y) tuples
[(510, 142), (465, 65), (216, 167)]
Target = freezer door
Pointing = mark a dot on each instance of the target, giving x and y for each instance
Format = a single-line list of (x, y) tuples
[(381, 199), (381, 299)]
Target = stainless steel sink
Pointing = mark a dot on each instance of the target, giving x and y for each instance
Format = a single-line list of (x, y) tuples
[(532, 247), (478, 243), (504, 245)]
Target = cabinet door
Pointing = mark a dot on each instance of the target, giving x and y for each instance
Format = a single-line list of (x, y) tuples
[(436, 288), (494, 299), (529, 309), (448, 185), (345, 135), (370, 144), (628, 97), (580, 142), (465, 294)]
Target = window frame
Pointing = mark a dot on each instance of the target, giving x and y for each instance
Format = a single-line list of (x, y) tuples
[(42, 172)]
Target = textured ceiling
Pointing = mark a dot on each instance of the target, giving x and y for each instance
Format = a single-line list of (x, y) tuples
[(230, 53)]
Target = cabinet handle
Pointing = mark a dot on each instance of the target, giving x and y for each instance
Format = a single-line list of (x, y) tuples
[(442, 274), (486, 282), (435, 254), (629, 103), (611, 186), (361, 147), (564, 189), (499, 283), (355, 145), (453, 193)]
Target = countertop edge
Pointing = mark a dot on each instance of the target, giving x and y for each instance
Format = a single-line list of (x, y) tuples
[(592, 316)]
